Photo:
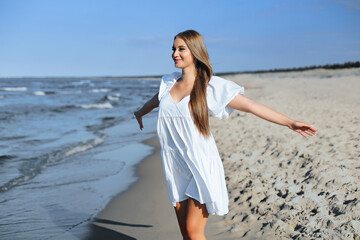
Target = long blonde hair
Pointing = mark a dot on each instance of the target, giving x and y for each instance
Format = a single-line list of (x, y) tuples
[(198, 103)]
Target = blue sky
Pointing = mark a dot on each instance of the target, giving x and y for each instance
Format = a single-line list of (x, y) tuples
[(130, 38)]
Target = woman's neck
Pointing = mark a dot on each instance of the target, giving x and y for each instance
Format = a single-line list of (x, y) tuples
[(188, 75)]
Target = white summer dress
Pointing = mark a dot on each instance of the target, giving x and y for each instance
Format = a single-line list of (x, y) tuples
[(191, 162)]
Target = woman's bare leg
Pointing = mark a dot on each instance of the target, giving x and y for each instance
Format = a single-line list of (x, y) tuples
[(196, 218), (181, 211)]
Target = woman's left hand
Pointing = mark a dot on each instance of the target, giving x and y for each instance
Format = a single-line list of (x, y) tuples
[(304, 129)]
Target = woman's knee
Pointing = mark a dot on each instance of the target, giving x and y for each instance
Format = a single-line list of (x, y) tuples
[(194, 231)]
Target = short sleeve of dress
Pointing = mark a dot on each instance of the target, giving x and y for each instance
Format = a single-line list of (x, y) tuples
[(166, 82), (219, 93)]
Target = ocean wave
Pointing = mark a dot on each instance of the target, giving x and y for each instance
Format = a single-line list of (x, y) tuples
[(1, 96), (6, 157), (99, 90), (11, 137), (83, 82), (99, 106), (14, 89), (62, 109), (33, 166), (85, 146), (6, 116), (113, 97), (39, 93), (104, 119), (42, 93), (106, 122)]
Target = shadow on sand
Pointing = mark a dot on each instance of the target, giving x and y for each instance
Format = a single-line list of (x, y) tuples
[(97, 232), (83, 227)]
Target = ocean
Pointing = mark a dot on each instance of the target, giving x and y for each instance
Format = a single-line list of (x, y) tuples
[(67, 146)]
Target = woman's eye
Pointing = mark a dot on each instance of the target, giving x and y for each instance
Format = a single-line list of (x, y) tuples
[(180, 49)]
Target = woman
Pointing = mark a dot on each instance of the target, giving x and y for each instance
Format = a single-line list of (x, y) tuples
[(193, 169)]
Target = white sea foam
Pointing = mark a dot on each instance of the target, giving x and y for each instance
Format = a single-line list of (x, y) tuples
[(99, 90), (111, 98), (39, 93), (99, 105), (85, 147), (82, 82), (14, 88)]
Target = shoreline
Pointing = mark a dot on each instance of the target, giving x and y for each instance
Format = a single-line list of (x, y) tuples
[(144, 211), (134, 213)]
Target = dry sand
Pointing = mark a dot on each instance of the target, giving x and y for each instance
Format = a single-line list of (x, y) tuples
[(281, 185)]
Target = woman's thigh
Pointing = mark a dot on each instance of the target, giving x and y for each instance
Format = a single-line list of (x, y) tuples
[(196, 217), (181, 212)]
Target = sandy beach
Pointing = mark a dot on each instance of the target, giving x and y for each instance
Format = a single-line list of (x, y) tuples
[(281, 185)]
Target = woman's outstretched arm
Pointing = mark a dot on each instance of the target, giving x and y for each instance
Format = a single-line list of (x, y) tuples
[(148, 107), (242, 103)]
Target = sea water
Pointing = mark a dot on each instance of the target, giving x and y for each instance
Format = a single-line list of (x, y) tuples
[(67, 146)]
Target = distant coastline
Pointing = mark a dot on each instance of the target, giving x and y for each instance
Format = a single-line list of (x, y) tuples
[(298, 69), (156, 77)]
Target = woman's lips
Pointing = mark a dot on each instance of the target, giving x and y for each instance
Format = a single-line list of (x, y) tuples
[(177, 60)]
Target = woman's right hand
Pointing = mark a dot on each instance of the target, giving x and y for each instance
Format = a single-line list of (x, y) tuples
[(148, 106), (139, 119)]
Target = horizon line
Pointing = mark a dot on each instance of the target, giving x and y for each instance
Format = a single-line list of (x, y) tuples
[(349, 64)]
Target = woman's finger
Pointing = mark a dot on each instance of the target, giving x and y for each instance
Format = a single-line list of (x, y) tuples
[(139, 120), (312, 128), (311, 133), (141, 124), (304, 135)]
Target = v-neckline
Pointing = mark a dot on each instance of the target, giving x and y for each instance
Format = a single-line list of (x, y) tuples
[(171, 95), (179, 101)]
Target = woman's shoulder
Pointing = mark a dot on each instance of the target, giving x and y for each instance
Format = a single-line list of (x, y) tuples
[(216, 81), (221, 85)]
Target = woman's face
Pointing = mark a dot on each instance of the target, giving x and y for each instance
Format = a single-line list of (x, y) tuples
[(182, 56)]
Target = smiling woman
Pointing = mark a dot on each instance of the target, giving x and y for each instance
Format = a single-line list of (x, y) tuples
[(192, 166), (189, 52)]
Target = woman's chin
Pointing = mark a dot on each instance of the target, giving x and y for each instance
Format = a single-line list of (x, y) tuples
[(177, 66)]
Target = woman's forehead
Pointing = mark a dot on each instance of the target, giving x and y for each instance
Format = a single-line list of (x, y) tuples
[(178, 42)]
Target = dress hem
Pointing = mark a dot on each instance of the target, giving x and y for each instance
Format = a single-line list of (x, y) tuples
[(219, 213)]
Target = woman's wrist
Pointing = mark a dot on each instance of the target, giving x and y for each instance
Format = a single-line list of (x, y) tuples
[(291, 124), (137, 113)]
